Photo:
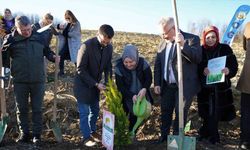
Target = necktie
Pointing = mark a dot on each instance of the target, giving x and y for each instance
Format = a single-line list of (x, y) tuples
[(169, 64)]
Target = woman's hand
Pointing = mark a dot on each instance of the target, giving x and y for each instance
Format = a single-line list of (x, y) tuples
[(61, 26), (134, 98), (225, 71), (206, 71), (142, 93)]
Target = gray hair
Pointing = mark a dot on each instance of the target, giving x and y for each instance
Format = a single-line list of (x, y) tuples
[(22, 20), (167, 21)]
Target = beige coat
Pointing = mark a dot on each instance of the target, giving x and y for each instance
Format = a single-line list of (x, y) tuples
[(244, 80)]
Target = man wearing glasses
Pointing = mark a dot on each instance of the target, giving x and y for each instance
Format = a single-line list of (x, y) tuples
[(166, 75), (27, 49), (93, 59)]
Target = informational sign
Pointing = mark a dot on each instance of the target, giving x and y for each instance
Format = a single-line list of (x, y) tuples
[(215, 66), (108, 128)]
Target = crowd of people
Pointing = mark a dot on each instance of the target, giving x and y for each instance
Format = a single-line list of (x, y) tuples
[(24, 50)]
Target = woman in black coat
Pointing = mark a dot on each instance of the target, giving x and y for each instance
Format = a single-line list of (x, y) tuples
[(133, 78), (215, 101)]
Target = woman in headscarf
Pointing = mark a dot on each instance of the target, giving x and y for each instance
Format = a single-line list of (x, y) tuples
[(215, 101), (244, 87), (133, 79), (8, 21)]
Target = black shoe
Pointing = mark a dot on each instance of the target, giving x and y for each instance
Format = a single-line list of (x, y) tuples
[(244, 145), (201, 138), (214, 140), (23, 138), (36, 139), (61, 74), (162, 139)]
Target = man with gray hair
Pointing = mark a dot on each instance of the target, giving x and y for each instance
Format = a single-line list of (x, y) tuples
[(27, 48), (166, 75)]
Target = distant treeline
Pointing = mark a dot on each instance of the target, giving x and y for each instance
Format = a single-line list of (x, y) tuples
[(193, 27), (198, 27), (35, 17)]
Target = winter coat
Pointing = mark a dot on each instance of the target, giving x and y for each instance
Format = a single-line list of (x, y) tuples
[(74, 40), (8, 25), (217, 97), (92, 61), (27, 63), (123, 78), (47, 35), (191, 56), (244, 80)]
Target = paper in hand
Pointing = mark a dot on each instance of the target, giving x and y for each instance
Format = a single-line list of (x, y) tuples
[(44, 28)]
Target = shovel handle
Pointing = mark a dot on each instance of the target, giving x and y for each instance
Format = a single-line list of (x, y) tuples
[(3, 102), (55, 83), (180, 73)]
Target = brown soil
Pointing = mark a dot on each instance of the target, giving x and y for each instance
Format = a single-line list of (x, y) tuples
[(148, 133)]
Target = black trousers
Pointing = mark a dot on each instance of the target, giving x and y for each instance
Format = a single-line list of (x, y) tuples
[(209, 112), (64, 55), (245, 118), (169, 103)]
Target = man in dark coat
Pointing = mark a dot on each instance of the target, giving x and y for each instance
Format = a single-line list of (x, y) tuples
[(27, 49), (166, 75), (94, 58)]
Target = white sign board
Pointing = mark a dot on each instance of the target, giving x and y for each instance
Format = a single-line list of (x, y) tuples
[(108, 128), (215, 66)]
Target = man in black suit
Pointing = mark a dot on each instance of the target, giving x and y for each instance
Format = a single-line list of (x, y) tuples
[(166, 75), (94, 58)]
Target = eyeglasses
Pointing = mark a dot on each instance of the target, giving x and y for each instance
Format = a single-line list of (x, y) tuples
[(166, 33)]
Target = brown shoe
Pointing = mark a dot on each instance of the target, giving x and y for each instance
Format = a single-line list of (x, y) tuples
[(96, 137)]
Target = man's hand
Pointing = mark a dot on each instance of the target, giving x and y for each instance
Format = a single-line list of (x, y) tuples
[(142, 93), (180, 39), (157, 90), (57, 59), (100, 86)]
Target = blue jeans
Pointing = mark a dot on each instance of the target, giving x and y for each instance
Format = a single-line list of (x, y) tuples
[(88, 117), (22, 93)]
